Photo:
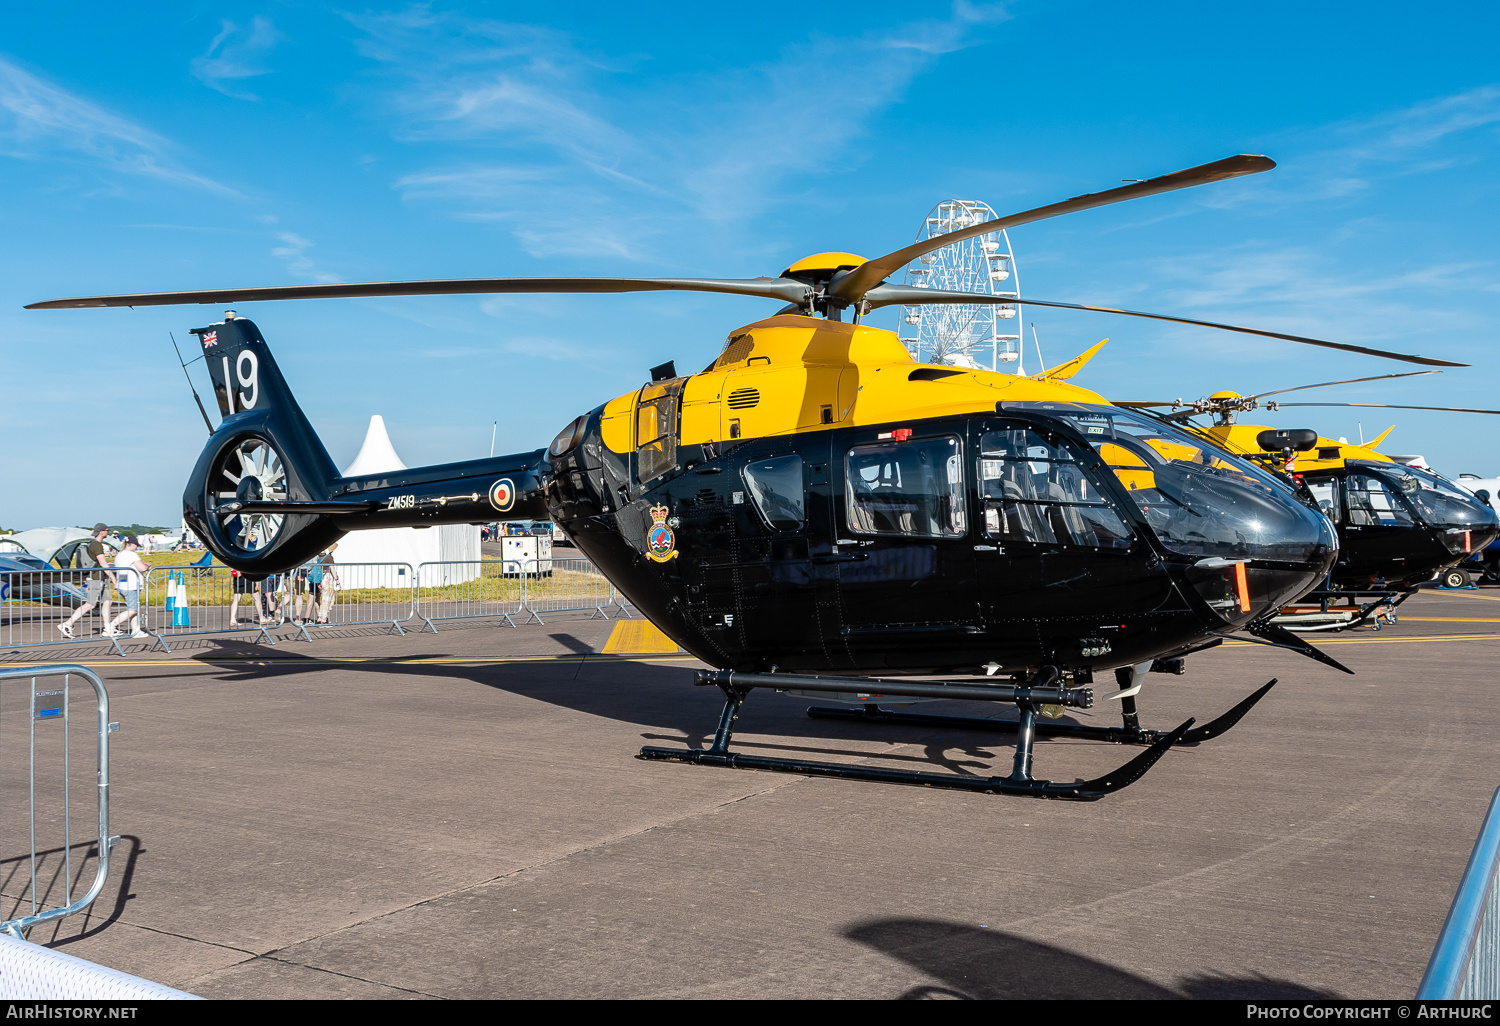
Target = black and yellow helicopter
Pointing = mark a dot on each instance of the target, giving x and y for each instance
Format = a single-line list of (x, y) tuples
[(1399, 526), (814, 508)]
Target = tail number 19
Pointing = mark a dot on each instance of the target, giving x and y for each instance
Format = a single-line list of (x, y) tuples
[(247, 373)]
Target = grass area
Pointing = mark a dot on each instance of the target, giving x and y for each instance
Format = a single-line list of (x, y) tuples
[(214, 585)]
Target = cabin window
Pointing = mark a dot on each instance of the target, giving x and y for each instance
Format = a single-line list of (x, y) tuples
[(1035, 491), (776, 488), (1373, 503), (912, 488), (1327, 495), (656, 429)]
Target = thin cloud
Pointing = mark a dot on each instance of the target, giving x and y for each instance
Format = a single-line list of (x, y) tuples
[(293, 251), (39, 120), (575, 156), (236, 54)]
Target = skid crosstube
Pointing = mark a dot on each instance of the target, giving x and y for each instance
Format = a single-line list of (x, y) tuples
[(1077, 791), (1046, 689), (1116, 735)]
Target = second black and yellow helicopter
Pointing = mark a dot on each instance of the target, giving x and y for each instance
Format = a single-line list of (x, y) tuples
[(815, 512), (1399, 526)]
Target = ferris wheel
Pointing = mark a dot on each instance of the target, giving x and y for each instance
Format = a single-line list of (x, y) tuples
[(967, 336)]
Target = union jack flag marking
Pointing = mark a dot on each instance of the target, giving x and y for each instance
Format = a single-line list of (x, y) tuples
[(210, 338)]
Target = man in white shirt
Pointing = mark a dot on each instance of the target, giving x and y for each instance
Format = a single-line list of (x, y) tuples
[(130, 577)]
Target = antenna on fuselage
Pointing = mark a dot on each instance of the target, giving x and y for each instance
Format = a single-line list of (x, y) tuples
[(206, 422)]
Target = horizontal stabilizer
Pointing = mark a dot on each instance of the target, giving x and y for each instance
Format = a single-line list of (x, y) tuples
[(273, 506)]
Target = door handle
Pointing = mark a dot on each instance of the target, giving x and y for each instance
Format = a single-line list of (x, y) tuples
[(986, 548)]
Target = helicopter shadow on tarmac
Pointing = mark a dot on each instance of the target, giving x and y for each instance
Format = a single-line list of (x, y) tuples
[(975, 963), (658, 698)]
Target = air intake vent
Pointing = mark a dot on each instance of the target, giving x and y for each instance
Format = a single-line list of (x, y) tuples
[(708, 497), (737, 349), (744, 398)]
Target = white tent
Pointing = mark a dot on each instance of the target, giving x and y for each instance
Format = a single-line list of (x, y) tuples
[(43, 541), (413, 545)]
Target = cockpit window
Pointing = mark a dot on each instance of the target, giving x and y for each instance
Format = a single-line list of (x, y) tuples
[(1437, 501), (776, 487), (1199, 500), (656, 429), (1373, 503), (1035, 491), (913, 488)]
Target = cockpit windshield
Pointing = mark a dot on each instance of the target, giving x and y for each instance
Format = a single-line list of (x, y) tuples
[(1200, 500), (1436, 501)]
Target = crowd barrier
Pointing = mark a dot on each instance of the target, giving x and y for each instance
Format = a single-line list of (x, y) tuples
[(1465, 962), (34, 604), (46, 816), (559, 584), (188, 599), (184, 600), (470, 589)]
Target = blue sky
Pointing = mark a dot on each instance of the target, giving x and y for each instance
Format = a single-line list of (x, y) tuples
[(247, 144)]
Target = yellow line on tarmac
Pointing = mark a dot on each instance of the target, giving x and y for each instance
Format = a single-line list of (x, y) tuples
[(1464, 594), (1453, 619), (355, 663), (1381, 641)]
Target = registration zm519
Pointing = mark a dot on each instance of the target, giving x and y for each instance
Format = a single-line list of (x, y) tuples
[(401, 502)]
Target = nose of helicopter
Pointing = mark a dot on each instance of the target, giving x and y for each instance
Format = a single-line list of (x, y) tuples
[(1256, 549), (1234, 534)]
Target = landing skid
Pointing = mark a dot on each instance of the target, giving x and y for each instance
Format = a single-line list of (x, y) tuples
[(1028, 699), (1363, 608), (1123, 735)]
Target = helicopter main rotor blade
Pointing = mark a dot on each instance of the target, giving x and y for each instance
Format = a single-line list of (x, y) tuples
[(783, 289), (1135, 404), (1388, 406), (856, 284), (1349, 381), (906, 295)]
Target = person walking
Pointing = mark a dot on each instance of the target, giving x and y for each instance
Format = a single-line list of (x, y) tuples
[(130, 575), (244, 586), (92, 557), (328, 584)]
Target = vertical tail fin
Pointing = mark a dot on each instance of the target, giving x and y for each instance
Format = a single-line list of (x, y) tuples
[(263, 449)]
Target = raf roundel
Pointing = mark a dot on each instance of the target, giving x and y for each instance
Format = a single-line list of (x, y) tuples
[(503, 495)]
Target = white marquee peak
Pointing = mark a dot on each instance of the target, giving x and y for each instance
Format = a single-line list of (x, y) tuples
[(376, 455)]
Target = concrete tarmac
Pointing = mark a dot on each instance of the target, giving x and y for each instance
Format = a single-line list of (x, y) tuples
[(462, 816)]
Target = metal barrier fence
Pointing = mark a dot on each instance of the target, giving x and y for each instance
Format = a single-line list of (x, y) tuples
[(56, 607), (49, 718), (352, 594), (1465, 963), (187, 600), (470, 589), (558, 584)]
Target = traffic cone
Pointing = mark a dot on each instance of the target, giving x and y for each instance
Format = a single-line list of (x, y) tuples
[(180, 607), (171, 590)]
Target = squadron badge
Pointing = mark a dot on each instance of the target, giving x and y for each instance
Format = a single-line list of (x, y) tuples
[(661, 543)]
